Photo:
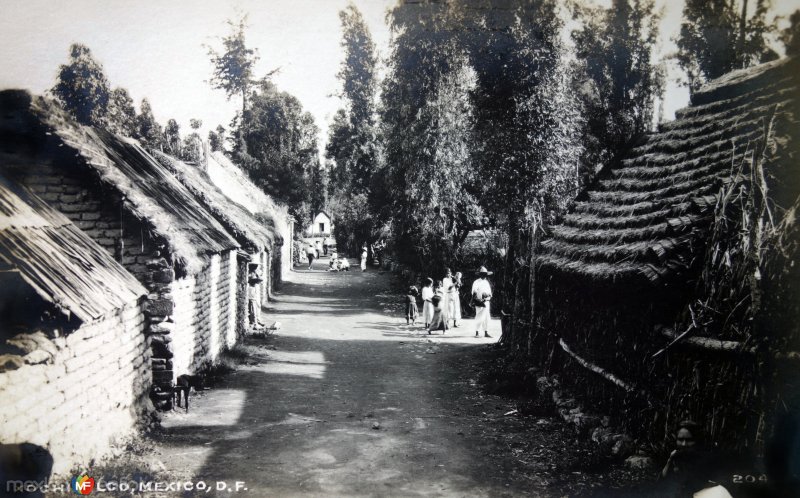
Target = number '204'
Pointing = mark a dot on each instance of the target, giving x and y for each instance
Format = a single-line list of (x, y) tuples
[(749, 478)]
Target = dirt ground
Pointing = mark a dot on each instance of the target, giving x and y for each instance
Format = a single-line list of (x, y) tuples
[(347, 400)]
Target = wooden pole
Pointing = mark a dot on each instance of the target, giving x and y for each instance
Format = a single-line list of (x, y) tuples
[(596, 369)]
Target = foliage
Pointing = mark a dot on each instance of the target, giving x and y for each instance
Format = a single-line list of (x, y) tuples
[(352, 149), (616, 47), (351, 212), (216, 138), (318, 184), (121, 115), (791, 35), (281, 147), (148, 131), (429, 177), (718, 36), (82, 88), (172, 138), (233, 67)]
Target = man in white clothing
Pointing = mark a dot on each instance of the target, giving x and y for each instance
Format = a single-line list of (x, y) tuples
[(481, 296)]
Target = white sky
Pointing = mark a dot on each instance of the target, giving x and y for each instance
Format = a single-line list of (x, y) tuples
[(154, 48)]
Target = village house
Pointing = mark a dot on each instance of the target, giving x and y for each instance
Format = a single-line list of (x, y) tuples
[(235, 184), (74, 360), (665, 291), (137, 210), (256, 233), (320, 226)]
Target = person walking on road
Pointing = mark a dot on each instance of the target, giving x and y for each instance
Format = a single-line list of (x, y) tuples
[(325, 244), (452, 284), (364, 258), (427, 305), (318, 247), (481, 296), (311, 253)]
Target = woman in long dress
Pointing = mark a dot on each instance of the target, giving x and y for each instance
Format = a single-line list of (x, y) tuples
[(440, 308), (427, 305), (455, 299)]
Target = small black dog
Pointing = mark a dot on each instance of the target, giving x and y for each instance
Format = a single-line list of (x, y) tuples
[(183, 385)]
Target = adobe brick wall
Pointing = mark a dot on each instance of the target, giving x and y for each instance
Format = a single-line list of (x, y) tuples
[(76, 193), (205, 314), (71, 405), (188, 321)]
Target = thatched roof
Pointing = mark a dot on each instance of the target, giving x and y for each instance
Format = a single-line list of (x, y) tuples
[(57, 260), (248, 231), (235, 184), (150, 191), (644, 219)]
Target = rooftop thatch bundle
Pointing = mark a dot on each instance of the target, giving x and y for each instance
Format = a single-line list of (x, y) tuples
[(149, 190), (636, 220), (251, 233), (57, 260), (235, 184)]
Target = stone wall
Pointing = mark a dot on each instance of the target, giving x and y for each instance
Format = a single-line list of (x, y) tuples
[(69, 404)]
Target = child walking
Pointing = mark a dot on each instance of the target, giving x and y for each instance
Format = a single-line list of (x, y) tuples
[(411, 305)]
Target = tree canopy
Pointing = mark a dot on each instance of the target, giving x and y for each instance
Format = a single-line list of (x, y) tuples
[(82, 87)]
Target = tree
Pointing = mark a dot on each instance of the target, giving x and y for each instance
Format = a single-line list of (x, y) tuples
[(318, 184), (172, 138), (353, 143), (718, 36), (82, 88), (121, 116), (192, 146), (233, 68), (281, 147), (148, 131), (791, 35), (216, 139), (428, 177), (615, 47)]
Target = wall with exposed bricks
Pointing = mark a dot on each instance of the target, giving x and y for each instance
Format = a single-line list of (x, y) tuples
[(204, 314), (66, 406), (189, 320)]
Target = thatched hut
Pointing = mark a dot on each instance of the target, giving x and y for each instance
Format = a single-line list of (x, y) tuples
[(669, 290), (68, 314), (256, 231), (235, 184), (135, 208)]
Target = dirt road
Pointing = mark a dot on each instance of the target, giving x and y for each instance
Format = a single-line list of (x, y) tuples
[(347, 400)]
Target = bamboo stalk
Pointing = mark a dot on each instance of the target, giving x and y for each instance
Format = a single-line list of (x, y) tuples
[(596, 369)]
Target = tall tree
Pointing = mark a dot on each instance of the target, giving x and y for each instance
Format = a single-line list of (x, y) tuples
[(615, 46), (428, 178), (216, 138), (148, 131), (352, 145), (718, 36), (121, 116), (282, 149), (172, 138), (233, 67), (82, 88), (192, 145), (791, 35)]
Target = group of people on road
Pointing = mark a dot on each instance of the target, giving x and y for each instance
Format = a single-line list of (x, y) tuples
[(315, 249), (441, 302)]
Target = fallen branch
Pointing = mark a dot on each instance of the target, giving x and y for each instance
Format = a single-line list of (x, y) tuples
[(594, 368)]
